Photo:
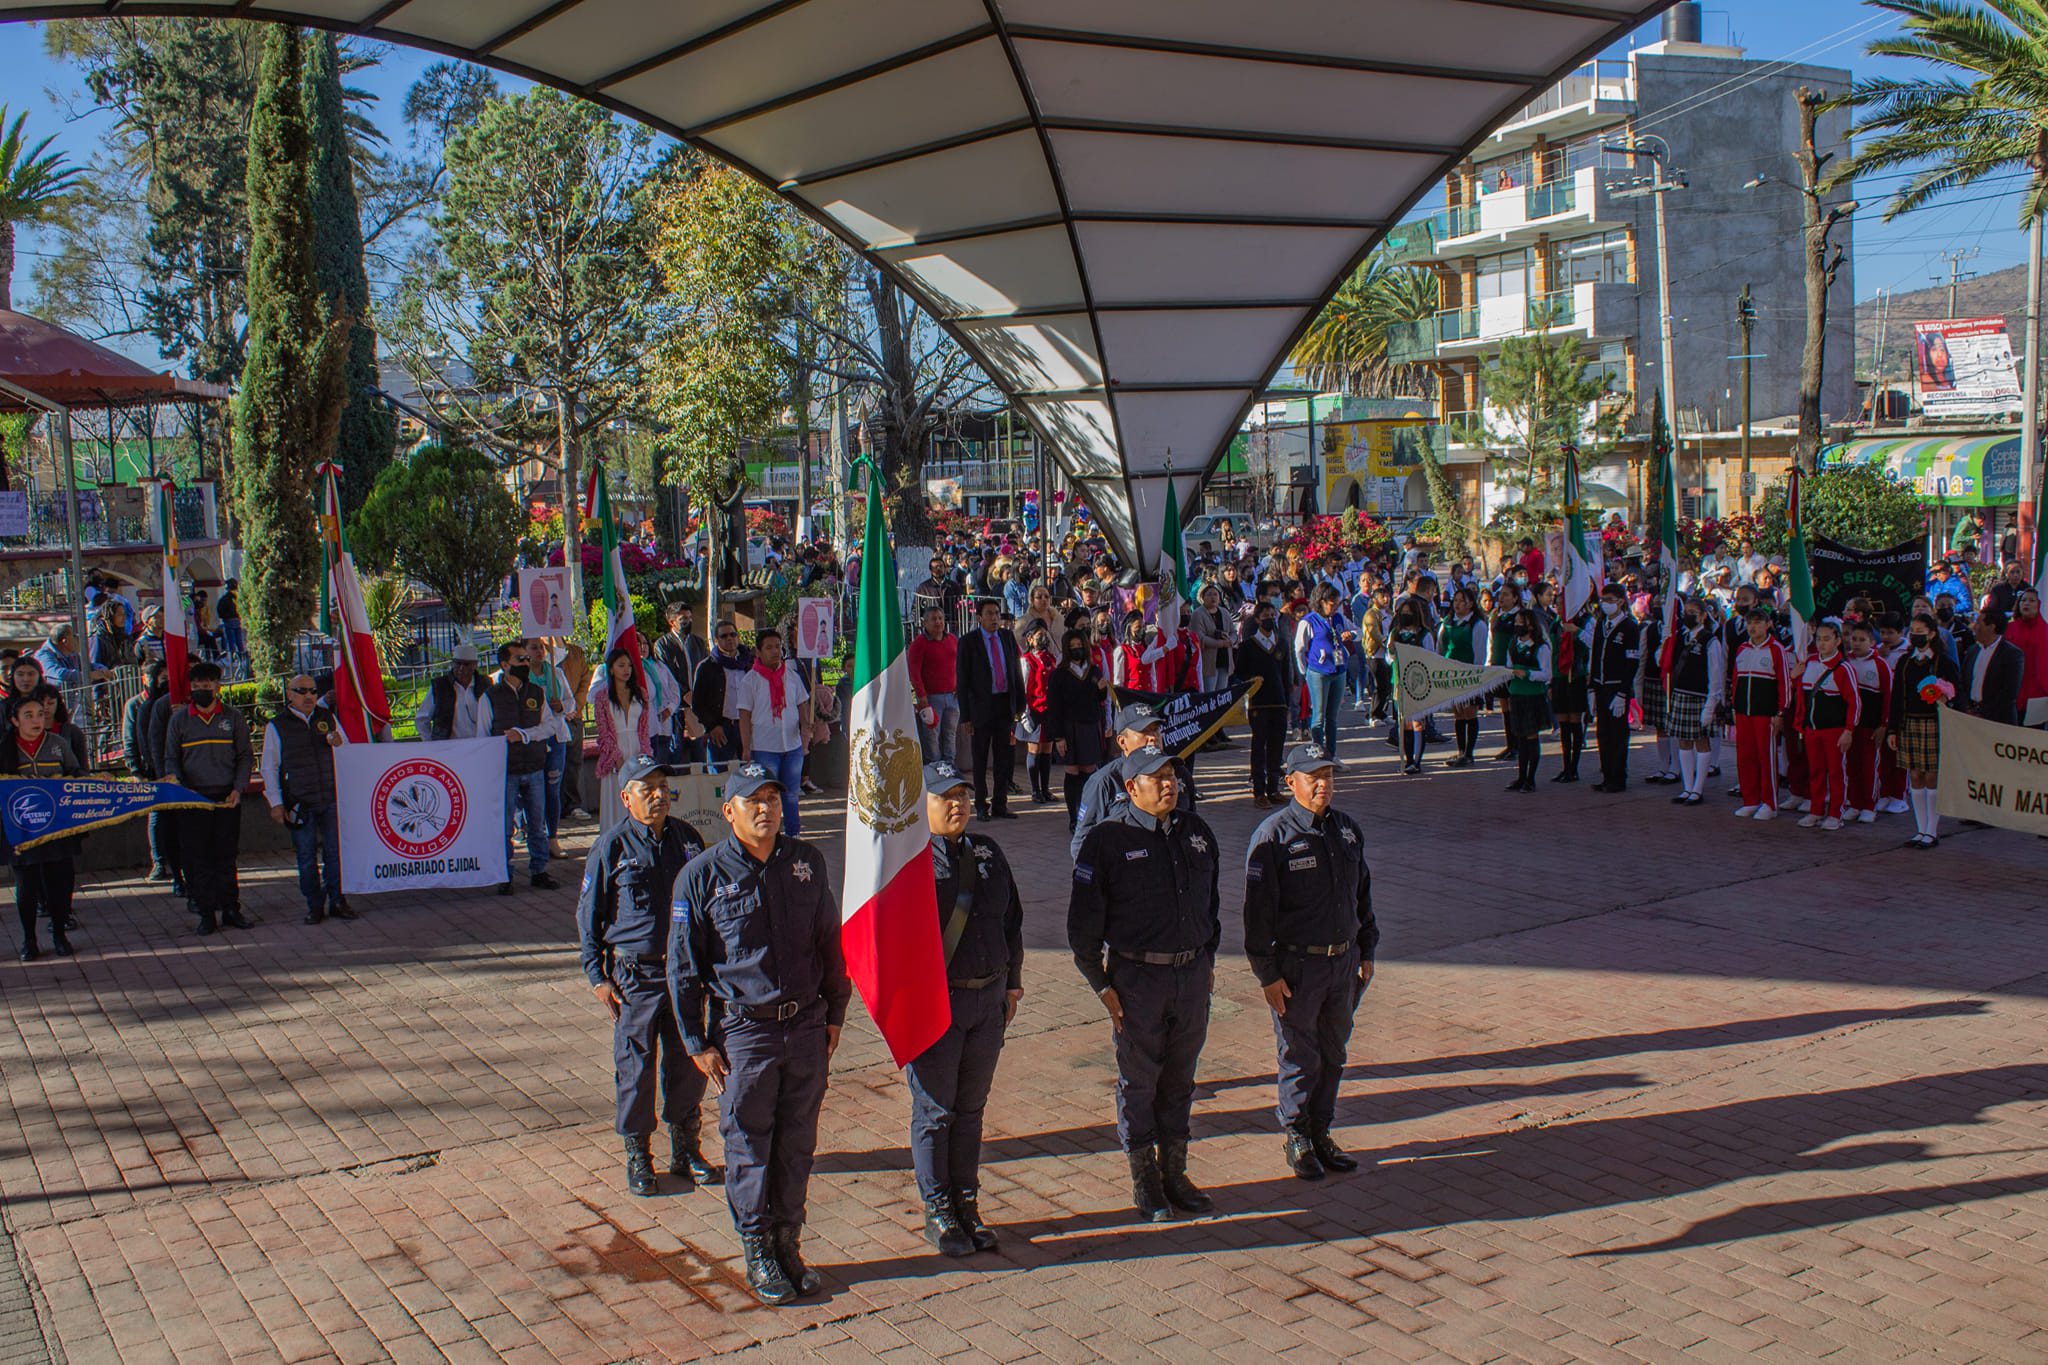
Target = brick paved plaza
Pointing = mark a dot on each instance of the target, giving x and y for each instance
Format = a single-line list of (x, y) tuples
[(1634, 1082)]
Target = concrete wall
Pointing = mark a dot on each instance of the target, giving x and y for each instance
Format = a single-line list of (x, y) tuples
[(1723, 235)]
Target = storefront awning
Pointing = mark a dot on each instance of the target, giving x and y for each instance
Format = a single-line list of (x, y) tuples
[(1952, 471)]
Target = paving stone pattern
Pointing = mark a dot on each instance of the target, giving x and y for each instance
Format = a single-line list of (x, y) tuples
[(1635, 1082)]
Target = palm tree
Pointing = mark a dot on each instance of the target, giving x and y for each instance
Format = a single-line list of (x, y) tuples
[(31, 183), (1982, 110), (1345, 348)]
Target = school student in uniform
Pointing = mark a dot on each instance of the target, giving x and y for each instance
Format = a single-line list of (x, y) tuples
[(1914, 735), (1761, 681), (1462, 638), (1698, 682), (1873, 709), (1828, 700), (1528, 653), (1409, 629)]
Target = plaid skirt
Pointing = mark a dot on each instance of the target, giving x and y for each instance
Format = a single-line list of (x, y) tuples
[(1652, 699), (1683, 720), (1920, 743), (1528, 715)]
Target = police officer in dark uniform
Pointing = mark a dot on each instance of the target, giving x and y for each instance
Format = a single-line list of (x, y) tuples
[(1143, 925), (758, 980), (1310, 935), (622, 919), (981, 920), (1615, 657), (1137, 727)]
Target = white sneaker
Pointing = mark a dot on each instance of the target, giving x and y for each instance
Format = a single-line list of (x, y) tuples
[(1804, 804), (1788, 802), (1745, 812), (1766, 812), (1893, 805), (1865, 817), (1831, 823), (1849, 814), (1809, 821)]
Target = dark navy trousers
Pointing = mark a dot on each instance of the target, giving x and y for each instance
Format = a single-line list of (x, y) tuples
[(1314, 1035), (1166, 1021), (647, 1048), (949, 1085), (769, 1117)]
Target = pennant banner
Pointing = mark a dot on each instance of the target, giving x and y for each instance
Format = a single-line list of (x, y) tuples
[(1996, 774), (417, 817), (1426, 681), (1187, 720), (1891, 579), (35, 810)]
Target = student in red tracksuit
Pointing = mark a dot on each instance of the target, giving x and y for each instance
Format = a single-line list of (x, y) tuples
[(1827, 720), (1873, 707), (1761, 684)]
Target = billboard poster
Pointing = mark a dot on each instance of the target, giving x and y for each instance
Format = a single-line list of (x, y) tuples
[(1964, 366)]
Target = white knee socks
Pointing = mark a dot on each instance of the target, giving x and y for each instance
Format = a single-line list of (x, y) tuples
[(1925, 818)]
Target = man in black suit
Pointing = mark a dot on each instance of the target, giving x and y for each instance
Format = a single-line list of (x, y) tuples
[(1611, 666), (991, 683), (1992, 671)]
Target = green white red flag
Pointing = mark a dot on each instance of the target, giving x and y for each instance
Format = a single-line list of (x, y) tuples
[(621, 630), (1579, 574), (1798, 574), (890, 920), (359, 701), (176, 658), (1667, 535)]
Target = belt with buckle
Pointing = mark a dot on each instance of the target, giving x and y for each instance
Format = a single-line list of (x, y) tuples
[(765, 1014), (974, 983), (651, 959), (1160, 959), (1316, 949)]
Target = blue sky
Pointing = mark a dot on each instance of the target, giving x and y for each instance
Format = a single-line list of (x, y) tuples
[(1901, 255)]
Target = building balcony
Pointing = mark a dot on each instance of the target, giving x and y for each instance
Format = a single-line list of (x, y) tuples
[(1517, 215), (1598, 93), (1595, 310)]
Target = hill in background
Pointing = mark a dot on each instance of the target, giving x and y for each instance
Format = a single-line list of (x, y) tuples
[(2002, 293)]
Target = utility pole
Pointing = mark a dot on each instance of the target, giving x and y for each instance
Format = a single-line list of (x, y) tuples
[(1745, 317), (2030, 400), (1663, 179), (1884, 327), (1956, 273)]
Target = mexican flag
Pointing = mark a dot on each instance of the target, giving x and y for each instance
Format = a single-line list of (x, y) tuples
[(1798, 576), (1173, 563), (175, 658), (890, 924), (1580, 571), (359, 701), (620, 629), (1667, 535)]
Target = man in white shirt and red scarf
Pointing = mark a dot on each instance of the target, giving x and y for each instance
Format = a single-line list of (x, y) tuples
[(774, 710)]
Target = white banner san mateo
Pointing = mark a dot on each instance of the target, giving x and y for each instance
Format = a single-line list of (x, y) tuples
[(417, 817), (1426, 681), (1994, 773)]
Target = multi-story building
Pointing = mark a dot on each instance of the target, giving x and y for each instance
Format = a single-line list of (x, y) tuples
[(1548, 225)]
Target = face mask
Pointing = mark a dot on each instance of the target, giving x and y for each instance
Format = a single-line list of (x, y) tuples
[(1077, 653), (1611, 608), (1922, 644), (520, 671), (202, 697)]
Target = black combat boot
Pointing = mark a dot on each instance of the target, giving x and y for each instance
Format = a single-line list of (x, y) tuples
[(1301, 1155), (233, 918), (1329, 1153), (1173, 1178), (942, 1229), (206, 922), (640, 1177), (765, 1275), (1148, 1195), (967, 1208), (686, 1152), (787, 1242)]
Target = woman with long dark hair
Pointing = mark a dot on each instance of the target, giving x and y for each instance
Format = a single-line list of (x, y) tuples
[(1074, 696), (1462, 638), (1528, 654), (620, 701), (1038, 664), (1409, 629)]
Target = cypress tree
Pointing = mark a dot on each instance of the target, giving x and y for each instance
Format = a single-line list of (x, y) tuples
[(369, 429), (289, 404)]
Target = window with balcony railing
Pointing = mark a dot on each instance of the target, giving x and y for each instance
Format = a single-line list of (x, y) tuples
[(1552, 198), (1552, 310)]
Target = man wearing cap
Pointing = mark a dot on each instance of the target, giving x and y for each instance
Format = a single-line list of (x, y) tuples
[(981, 920), (1102, 796), (515, 709), (1143, 925), (448, 711), (1310, 934), (758, 982), (622, 920)]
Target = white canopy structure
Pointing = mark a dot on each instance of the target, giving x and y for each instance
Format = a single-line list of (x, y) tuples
[(1127, 210)]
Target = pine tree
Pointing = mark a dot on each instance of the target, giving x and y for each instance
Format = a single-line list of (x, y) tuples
[(288, 407), (369, 430)]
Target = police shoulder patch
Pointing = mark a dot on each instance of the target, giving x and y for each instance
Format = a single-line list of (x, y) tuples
[(1083, 872)]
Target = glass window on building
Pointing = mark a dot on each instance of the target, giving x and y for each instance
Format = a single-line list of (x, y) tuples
[(1609, 361), (1505, 276), (1508, 173), (1601, 258)]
